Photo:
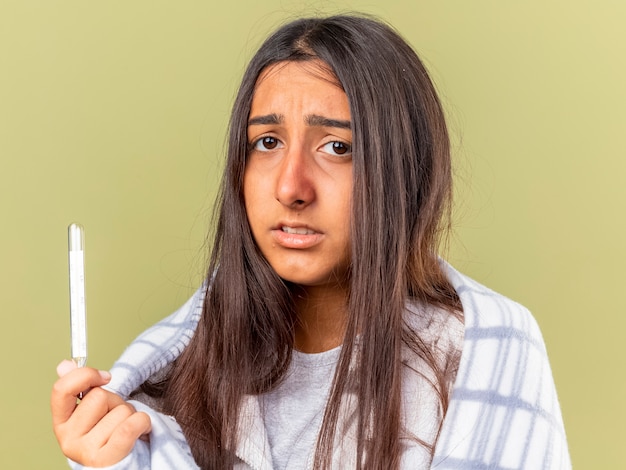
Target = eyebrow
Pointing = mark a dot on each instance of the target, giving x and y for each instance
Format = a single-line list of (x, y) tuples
[(267, 119), (321, 121), (314, 120)]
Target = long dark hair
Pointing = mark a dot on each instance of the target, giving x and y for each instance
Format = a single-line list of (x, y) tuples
[(400, 209)]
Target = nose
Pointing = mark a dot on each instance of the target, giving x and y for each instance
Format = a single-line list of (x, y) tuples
[(294, 183)]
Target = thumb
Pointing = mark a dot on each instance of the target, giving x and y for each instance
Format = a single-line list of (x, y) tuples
[(65, 367)]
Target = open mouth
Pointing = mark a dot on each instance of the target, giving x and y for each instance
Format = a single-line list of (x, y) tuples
[(297, 230)]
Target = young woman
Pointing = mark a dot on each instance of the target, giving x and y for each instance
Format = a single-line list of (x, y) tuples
[(329, 333)]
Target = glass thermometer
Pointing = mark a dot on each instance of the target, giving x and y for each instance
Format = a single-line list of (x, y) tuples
[(78, 315)]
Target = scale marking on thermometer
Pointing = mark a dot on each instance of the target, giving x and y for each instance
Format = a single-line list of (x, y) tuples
[(78, 313)]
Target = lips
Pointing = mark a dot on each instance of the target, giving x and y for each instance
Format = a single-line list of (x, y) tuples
[(296, 236)]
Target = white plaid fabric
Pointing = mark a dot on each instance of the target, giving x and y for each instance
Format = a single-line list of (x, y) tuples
[(503, 413)]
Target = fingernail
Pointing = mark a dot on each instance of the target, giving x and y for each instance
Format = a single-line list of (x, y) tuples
[(64, 367), (106, 375)]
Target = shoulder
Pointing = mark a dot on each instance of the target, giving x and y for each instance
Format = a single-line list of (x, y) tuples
[(504, 393), (436, 330), (157, 346), (501, 342), (483, 308)]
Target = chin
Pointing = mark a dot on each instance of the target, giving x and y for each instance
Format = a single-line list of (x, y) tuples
[(327, 280)]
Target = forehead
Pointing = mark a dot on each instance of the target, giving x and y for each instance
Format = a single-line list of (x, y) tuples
[(313, 67), (292, 82)]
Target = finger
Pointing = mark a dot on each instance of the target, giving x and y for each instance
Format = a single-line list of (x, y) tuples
[(66, 389), (124, 436), (92, 409), (101, 432), (65, 367)]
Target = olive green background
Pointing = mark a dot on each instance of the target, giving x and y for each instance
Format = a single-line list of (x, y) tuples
[(113, 114)]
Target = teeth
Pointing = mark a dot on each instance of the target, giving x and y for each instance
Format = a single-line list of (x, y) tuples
[(299, 231)]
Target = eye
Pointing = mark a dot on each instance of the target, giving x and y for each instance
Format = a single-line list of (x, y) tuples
[(338, 148), (266, 143)]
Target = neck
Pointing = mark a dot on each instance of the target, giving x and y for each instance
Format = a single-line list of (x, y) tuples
[(322, 316)]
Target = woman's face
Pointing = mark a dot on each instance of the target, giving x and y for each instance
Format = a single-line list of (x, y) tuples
[(298, 176)]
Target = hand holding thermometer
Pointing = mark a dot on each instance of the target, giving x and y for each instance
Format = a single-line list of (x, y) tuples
[(78, 317)]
